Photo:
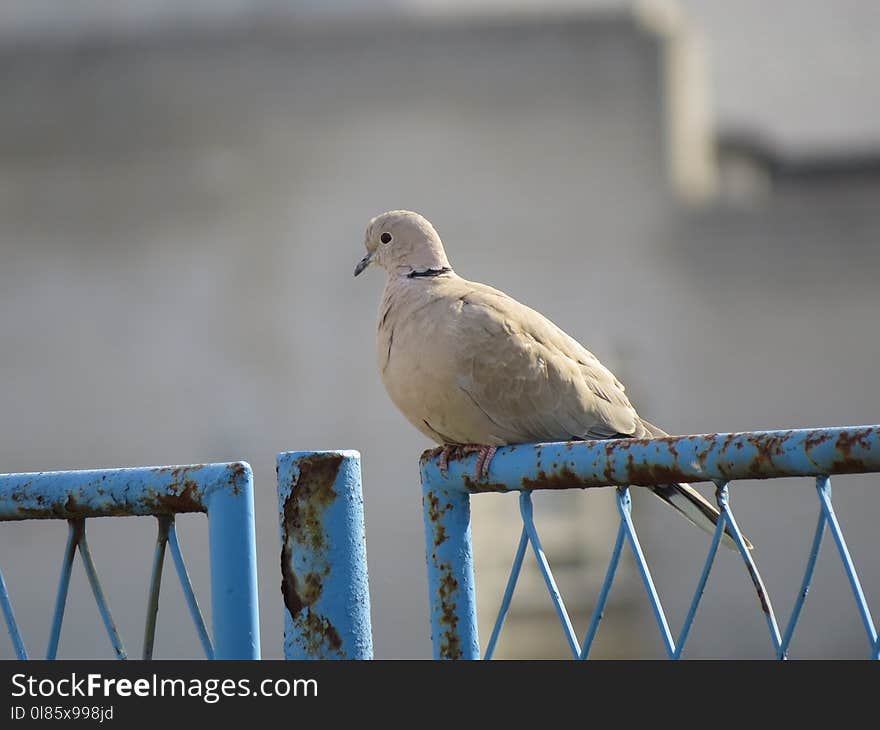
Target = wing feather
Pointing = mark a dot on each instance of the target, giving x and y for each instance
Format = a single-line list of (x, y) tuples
[(532, 380)]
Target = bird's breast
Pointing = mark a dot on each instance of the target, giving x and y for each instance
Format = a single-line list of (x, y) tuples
[(419, 364)]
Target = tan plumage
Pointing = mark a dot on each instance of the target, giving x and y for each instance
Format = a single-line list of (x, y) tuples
[(472, 365), (467, 364)]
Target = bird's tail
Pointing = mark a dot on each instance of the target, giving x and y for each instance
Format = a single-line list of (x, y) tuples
[(697, 509), (693, 505)]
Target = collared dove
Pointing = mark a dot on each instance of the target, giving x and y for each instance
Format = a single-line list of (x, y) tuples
[(471, 367)]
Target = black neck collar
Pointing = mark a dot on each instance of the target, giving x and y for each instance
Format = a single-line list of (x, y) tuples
[(428, 272)]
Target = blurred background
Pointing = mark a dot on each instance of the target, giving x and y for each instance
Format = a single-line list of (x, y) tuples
[(689, 189)]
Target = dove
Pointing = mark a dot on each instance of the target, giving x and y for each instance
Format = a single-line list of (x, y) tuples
[(474, 369)]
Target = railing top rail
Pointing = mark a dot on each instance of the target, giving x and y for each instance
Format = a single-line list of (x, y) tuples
[(646, 462), (158, 490)]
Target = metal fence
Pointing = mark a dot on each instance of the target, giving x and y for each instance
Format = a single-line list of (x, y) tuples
[(223, 491), (622, 463), (324, 581)]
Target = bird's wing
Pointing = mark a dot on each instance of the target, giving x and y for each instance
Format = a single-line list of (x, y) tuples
[(535, 382)]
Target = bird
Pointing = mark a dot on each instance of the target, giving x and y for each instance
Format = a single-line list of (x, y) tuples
[(474, 369)]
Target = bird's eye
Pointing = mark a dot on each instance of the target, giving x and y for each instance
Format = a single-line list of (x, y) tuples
[(385, 237)]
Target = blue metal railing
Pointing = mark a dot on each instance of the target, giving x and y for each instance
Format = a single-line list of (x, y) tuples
[(622, 463), (223, 491), (323, 556), (323, 551)]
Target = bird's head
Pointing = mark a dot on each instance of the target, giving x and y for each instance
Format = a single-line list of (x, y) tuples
[(402, 242)]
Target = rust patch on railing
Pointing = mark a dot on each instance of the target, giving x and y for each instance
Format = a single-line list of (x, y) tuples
[(289, 588), (816, 439), (561, 478), (188, 499), (447, 594), (435, 514), (310, 495), (182, 495), (768, 447), (480, 487), (71, 509), (238, 475), (844, 446), (319, 635)]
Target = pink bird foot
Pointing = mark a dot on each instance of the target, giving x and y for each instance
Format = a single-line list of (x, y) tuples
[(456, 451), (487, 453)]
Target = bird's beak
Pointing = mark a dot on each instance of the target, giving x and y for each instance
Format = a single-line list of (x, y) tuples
[(363, 263)]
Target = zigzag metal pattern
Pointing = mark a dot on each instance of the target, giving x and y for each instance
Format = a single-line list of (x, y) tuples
[(221, 491), (76, 541), (168, 536), (11, 623), (627, 534)]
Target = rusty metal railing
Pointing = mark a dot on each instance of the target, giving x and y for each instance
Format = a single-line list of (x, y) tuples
[(323, 556), (622, 463), (223, 491)]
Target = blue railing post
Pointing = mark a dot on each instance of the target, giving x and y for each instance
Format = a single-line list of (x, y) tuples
[(323, 556), (447, 484), (451, 591), (233, 547), (223, 491)]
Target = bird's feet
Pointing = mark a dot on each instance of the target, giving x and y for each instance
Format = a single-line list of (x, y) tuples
[(456, 451), (486, 454)]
